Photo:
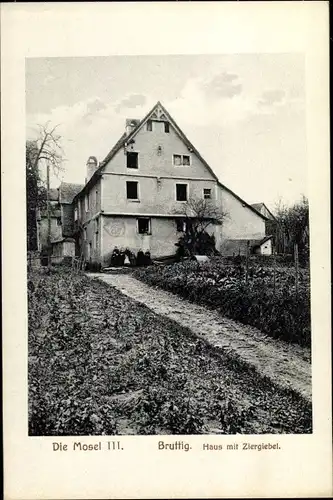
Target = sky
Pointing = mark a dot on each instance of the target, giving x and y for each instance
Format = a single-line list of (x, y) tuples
[(245, 113)]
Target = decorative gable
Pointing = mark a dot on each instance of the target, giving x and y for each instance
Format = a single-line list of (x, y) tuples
[(158, 114)]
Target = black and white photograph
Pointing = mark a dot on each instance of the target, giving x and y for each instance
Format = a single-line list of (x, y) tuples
[(168, 245), (166, 250)]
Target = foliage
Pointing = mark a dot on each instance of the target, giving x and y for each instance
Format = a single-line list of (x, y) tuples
[(293, 227), (279, 312), (202, 244), (197, 215), (102, 364)]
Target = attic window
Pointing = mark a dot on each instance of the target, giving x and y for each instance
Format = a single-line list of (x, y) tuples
[(186, 160), (132, 160), (179, 160), (166, 127), (149, 126)]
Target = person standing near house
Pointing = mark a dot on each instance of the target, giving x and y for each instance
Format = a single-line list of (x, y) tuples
[(127, 254), (147, 258), (122, 257), (115, 257)]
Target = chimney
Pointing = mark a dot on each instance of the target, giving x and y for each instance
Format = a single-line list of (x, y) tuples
[(131, 123), (92, 165)]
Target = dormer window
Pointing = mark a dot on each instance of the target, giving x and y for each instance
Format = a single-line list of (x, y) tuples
[(149, 126)]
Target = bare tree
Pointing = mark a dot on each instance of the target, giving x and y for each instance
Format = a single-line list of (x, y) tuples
[(44, 151), (196, 217)]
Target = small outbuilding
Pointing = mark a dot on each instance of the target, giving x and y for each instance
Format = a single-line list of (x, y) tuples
[(234, 247), (263, 247)]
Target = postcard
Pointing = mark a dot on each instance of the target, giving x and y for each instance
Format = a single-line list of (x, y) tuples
[(166, 250)]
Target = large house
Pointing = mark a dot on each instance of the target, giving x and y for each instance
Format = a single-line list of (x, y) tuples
[(133, 198)]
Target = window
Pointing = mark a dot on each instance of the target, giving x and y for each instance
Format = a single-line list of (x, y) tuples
[(186, 160), (86, 200), (149, 126), (179, 160), (79, 209), (207, 193), (75, 214), (182, 225), (166, 127), (144, 225), (132, 190), (59, 221), (132, 160), (181, 192)]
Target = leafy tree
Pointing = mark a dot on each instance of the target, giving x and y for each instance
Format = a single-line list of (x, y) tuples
[(197, 215), (293, 226)]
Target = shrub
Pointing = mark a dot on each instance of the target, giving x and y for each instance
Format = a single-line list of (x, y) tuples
[(279, 312)]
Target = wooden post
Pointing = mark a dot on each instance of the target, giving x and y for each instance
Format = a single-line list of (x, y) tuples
[(49, 252), (274, 270), (296, 267), (247, 262)]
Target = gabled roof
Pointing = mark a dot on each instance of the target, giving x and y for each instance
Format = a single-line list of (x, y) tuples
[(68, 191), (54, 194), (258, 243), (243, 202), (127, 138), (240, 245), (260, 206), (257, 206)]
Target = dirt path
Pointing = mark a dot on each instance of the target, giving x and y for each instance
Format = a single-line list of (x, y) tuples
[(286, 365)]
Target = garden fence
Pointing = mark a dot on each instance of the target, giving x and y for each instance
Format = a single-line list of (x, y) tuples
[(273, 269)]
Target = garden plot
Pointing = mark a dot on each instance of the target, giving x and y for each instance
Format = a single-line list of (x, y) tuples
[(260, 296), (102, 364)]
